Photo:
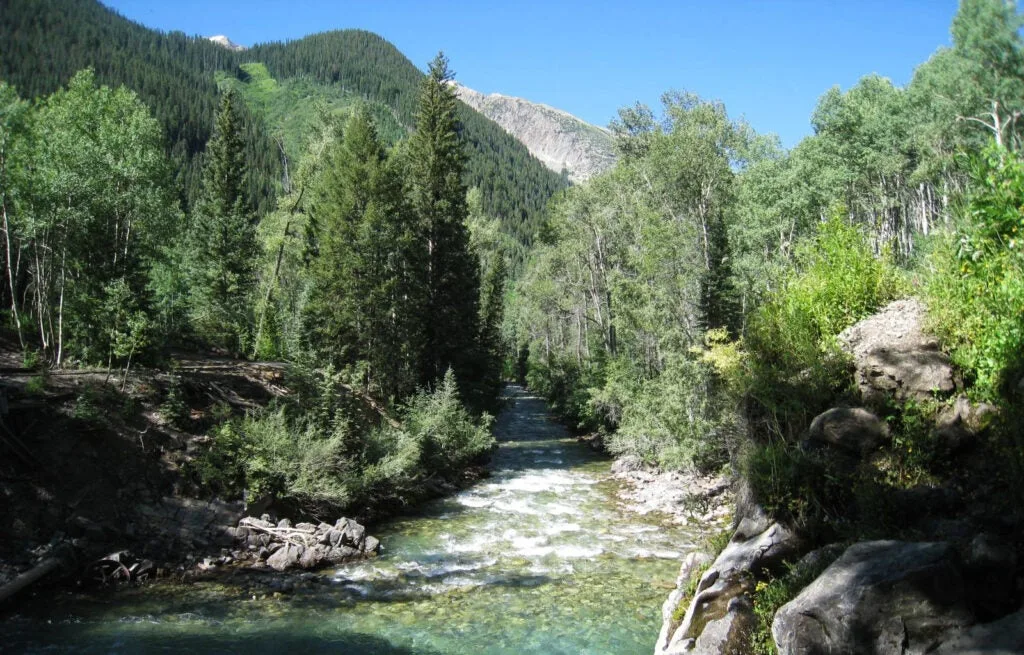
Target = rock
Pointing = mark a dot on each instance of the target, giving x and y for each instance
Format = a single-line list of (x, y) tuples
[(1002, 637), (958, 424), (311, 557), (341, 554), (284, 523), (853, 429), (352, 534), (285, 557), (879, 597), (991, 572), (306, 527), (756, 546), (371, 545), (729, 635), (691, 567), (894, 357)]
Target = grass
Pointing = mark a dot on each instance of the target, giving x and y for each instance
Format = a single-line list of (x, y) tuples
[(291, 106)]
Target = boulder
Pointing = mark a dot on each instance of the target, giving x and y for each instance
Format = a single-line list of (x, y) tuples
[(729, 635), (894, 357), (853, 429), (879, 597), (1002, 637), (692, 565), (285, 557)]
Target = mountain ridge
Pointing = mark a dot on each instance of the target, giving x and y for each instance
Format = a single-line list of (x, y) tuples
[(560, 140)]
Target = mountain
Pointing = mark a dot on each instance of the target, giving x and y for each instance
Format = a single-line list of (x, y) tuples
[(557, 138), (47, 41), (225, 42)]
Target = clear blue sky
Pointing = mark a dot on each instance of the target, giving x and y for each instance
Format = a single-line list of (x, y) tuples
[(768, 60)]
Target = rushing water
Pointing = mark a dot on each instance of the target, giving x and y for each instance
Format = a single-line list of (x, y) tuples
[(538, 558)]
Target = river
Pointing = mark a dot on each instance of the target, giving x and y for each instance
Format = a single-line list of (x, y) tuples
[(540, 557)]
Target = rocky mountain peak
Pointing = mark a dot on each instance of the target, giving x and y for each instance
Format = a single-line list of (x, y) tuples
[(558, 139), (224, 41)]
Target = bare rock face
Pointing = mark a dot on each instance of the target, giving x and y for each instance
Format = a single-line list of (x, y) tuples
[(720, 618), (894, 357), (558, 139), (855, 430), (883, 597)]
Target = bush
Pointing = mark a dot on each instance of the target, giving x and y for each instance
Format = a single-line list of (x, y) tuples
[(976, 291), (796, 368), (326, 458), (676, 420)]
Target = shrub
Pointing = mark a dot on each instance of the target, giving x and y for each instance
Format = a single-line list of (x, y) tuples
[(976, 291), (676, 420), (796, 369)]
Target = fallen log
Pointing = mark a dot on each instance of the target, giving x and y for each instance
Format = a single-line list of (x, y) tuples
[(33, 575)]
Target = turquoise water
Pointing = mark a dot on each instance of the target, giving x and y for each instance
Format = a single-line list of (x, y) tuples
[(538, 558)]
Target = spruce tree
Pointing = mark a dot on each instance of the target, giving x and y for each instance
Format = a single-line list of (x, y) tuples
[(437, 161), (365, 300), (222, 245)]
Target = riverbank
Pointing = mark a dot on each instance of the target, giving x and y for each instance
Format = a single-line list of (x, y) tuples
[(541, 557)]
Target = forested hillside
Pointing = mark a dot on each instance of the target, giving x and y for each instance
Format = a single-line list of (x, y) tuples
[(688, 305), (47, 41)]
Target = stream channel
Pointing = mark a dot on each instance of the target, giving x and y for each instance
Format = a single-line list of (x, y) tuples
[(541, 557)]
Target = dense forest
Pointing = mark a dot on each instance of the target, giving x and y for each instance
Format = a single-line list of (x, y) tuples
[(363, 277), (687, 303), (47, 41)]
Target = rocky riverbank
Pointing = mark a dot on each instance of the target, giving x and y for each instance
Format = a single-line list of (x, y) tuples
[(949, 579)]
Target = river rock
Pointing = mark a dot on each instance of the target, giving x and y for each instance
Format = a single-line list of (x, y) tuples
[(693, 564), (285, 557), (893, 356), (882, 597), (853, 429), (304, 545)]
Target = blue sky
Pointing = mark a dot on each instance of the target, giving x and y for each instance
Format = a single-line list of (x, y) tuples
[(768, 60)]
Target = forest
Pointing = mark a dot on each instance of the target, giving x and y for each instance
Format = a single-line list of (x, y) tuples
[(405, 259)]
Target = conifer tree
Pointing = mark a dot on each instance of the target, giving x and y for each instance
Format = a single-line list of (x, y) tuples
[(222, 245), (365, 302), (439, 199)]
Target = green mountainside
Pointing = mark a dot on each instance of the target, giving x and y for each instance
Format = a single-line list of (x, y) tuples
[(47, 41)]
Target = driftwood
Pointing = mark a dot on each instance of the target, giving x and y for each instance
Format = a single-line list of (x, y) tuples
[(285, 534)]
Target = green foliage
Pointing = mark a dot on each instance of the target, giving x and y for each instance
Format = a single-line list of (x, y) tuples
[(769, 596), (795, 368), (87, 204), (35, 385), (794, 485), (977, 291), (676, 420), (222, 249), (174, 408), (322, 461), (438, 196)]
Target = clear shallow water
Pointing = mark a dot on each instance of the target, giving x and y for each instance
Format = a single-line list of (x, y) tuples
[(538, 558)]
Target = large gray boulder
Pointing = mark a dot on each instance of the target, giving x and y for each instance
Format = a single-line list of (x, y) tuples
[(895, 357), (853, 429), (879, 597)]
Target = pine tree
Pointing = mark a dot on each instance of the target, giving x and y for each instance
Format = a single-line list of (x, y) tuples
[(439, 199), (365, 302), (223, 249), (492, 313)]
